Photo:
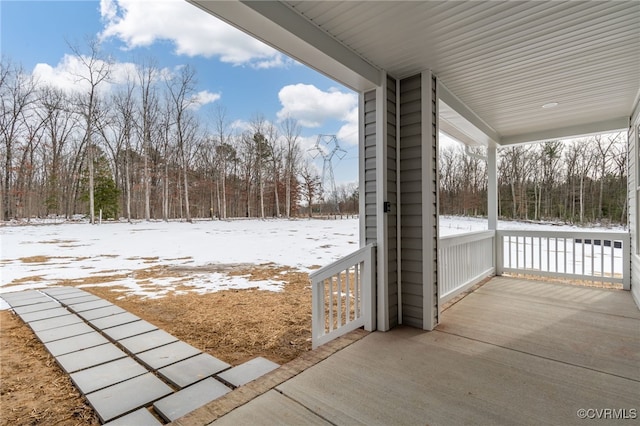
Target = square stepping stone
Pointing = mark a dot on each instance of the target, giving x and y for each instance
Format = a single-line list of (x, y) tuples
[(167, 354), (58, 333), (248, 372), (20, 294), (191, 370), (127, 396), (50, 323), (188, 399), (69, 299), (73, 297), (12, 298), (146, 341), (111, 320), (108, 374), (30, 301), (37, 307), (79, 360), (40, 315), (87, 306), (130, 329), (101, 312), (62, 290), (75, 343), (141, 417)]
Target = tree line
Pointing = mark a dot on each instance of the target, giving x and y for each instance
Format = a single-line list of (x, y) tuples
[(143, 151), (579, 181)]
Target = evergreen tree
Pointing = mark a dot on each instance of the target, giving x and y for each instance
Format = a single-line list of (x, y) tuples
[(106, 193)]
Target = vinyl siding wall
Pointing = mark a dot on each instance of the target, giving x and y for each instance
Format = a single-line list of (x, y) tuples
[(411, 266), (634, 206), (392, 198), (369, 184), (418, 200)]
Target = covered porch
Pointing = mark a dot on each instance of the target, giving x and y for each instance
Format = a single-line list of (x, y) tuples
[(513, 351), (490, 74)]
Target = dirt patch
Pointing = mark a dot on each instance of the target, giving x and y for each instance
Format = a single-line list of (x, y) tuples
[(35, 259), (33, 389), (232, 325), (31, 279)]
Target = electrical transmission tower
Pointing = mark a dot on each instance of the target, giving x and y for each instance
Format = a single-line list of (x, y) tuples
[(327, 147)]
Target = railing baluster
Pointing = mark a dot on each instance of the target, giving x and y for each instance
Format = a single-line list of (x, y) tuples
[(602, 261), (339, 296), (356, 295), (328, 282), (331, 303), (347, 307), (613, 258)]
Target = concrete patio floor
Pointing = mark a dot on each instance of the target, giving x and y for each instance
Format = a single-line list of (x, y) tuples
[(512, 352)]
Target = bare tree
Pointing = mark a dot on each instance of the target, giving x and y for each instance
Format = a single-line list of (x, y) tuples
[(123, 118), (17, 96), (147, 80), (224, 154), (96, 70), (291, 132), (181, 89), (60, 122), (311, 184), (603, 146)]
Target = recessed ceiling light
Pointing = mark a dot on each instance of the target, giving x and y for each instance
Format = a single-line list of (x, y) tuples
[(550, 105)]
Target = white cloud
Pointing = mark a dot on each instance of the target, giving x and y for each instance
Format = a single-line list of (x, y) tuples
[(202, 98), (313, 107), (140, 23), (71, 74)]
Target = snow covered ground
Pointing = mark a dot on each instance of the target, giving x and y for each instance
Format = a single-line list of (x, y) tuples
[(450, 225), (33, 256)]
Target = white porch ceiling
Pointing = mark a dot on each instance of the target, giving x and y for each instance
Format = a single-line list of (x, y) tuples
[(503, 60)]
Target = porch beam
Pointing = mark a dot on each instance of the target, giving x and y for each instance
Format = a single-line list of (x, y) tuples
[(455, 103), (585, 129)]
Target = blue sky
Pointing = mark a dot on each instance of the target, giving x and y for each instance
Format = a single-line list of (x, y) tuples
[(233, 70)]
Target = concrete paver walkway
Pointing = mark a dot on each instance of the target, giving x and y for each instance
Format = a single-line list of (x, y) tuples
[(129, 371)]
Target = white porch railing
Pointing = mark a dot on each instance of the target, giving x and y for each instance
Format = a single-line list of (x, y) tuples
[(588, 256), (464, 260), (343, 296)]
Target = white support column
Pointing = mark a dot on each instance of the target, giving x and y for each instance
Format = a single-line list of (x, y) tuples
[(381, 216), (492, 204), (492, 187)]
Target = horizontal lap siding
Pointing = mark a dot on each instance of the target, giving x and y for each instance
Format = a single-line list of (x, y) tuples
[(411, 200), (433, 191), (370, 167), (634, 206), (392, 198)]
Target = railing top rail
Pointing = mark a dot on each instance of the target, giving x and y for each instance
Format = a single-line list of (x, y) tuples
[(341, 264), (455, 239), (615, 235)]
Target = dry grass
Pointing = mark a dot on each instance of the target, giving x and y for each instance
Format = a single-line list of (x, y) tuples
[(233, 325), (33, 389)]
